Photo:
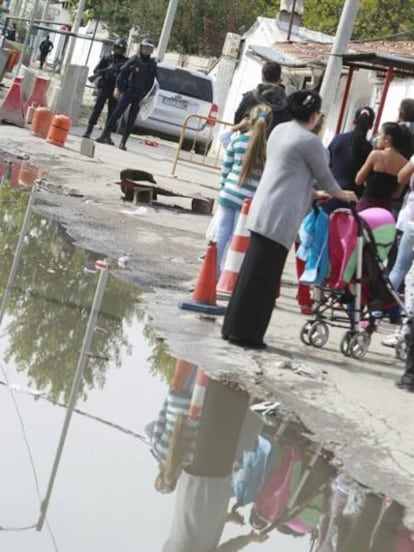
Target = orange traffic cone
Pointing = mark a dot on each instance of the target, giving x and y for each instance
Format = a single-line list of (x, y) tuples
[(235, 254), (197, 398), (204, 295)]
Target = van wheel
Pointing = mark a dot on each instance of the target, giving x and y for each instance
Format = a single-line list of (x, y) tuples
[(187, 145), (202, 149)]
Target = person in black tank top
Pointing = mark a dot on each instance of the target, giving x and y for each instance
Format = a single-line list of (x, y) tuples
[(379, 172)]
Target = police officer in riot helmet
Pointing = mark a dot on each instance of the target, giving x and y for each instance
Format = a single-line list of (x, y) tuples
[(104, 75), (133, 83)]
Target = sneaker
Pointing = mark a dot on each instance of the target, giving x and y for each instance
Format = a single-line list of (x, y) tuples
[(86, 135), (393, 339), (122, 146)]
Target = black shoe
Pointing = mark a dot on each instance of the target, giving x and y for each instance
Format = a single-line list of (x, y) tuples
[(406, 382), (88, 131), (122, 146), (248, 343), (104, 140)]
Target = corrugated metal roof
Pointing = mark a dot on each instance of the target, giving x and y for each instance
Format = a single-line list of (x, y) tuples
[(378, 54)]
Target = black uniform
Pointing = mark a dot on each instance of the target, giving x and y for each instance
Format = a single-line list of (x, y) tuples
[(105, 74), (45, 47), (134, 81)]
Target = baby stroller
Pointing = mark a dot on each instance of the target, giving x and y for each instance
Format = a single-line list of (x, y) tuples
[(355, 290)]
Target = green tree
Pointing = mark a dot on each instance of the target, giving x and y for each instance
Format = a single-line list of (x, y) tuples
[(375, 19), (50, 304), (199, 27)]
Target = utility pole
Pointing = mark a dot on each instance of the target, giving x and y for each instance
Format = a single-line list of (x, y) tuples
[(334, 67), (166, 29), (75, 29)]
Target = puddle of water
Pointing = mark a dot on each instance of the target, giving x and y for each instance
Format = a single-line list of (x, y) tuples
[(157, 456)]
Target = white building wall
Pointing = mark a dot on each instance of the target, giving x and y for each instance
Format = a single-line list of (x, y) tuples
[(360, 95), (399, 89), (367, 89), (81, 50), (265, 32)]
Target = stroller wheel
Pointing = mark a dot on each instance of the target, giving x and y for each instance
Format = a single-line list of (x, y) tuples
[(318, 334), (304, 334), (345, 344), (401, 349), (359, 344)]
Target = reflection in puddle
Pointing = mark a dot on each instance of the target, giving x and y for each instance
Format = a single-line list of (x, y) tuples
[(18, 174), (158, 455), (261, 472)]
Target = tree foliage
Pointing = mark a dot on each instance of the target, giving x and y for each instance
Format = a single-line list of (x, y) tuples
[(199, 27), (375, 19), (50, 304)]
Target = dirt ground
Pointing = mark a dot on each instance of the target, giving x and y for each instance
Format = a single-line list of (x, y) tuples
[(350, 405)]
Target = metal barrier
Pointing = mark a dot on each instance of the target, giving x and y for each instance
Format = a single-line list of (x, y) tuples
[(199, 143)]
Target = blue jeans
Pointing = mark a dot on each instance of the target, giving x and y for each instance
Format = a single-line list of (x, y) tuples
[(226, 223), (405, 258)]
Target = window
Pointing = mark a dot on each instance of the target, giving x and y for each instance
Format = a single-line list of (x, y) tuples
[(184, 83)]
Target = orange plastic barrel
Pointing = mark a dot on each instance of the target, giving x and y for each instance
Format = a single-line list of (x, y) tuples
[(59, 130), (41, 120)]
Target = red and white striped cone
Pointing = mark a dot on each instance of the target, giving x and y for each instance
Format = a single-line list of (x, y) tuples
[(181, 372), (235, 254), (11, 110), (198, 395)]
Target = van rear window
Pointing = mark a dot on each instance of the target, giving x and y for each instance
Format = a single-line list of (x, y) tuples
[(184, 83)]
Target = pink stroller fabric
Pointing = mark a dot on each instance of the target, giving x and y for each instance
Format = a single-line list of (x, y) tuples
[(273, 498), (342, 248), (342, 245)]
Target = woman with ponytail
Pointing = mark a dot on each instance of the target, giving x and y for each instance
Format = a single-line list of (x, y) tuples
[(348, 152), (379, 173), (240, 175)]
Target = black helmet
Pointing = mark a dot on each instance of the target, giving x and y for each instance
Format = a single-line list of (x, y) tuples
[(120, 43), (147, 42)]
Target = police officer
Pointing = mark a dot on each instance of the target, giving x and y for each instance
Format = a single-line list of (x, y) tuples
[(134, 81), (105, 73)]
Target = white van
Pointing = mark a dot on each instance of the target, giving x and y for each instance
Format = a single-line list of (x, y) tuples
[(182, 92)]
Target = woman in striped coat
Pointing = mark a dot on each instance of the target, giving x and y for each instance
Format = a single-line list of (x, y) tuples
[(240, 175)]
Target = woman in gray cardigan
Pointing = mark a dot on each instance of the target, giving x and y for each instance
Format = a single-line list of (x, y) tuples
[(295, 160)]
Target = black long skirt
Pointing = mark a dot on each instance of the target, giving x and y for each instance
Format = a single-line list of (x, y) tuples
[(253, 299)]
